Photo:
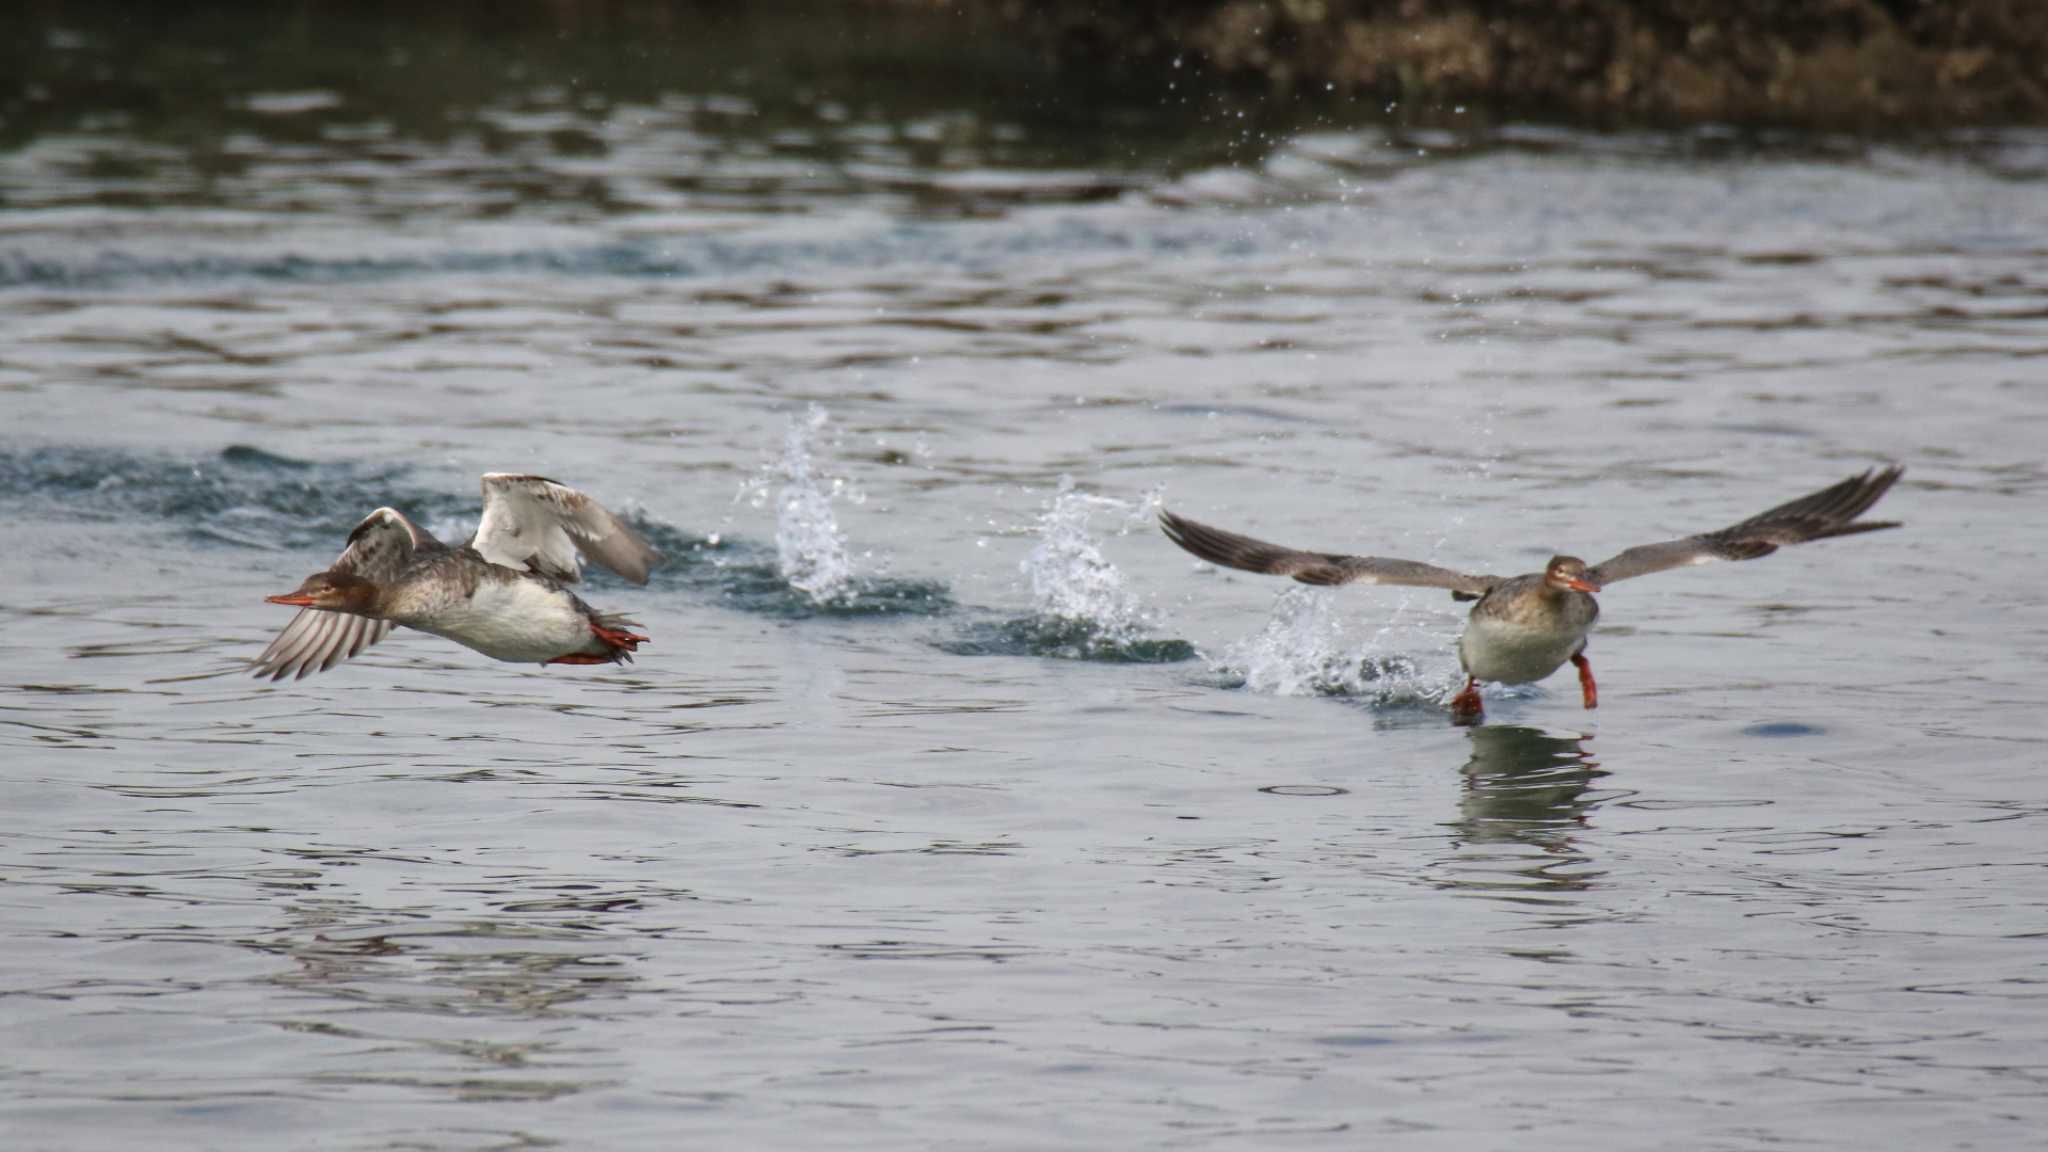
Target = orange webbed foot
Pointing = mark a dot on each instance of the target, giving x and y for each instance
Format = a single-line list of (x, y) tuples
[(617, 637), (1466, 707)]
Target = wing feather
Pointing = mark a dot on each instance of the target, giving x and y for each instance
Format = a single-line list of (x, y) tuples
[(316, 640), (379, 549), (1234, 551), (533, 522), (1830, 512)]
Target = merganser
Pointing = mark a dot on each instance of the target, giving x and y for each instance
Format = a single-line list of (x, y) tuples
[(503, 593), (1523, 628)]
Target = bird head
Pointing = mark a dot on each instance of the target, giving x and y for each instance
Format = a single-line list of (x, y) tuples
[(1568, 574), (333, 591)]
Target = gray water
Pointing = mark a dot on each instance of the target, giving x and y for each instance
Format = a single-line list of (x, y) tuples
[(1023, 831)]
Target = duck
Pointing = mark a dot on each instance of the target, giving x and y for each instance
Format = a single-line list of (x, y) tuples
[(1523, 628), (504, 593)]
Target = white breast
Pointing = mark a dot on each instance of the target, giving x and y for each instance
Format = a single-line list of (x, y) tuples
[(1509, 653), (523, 621)]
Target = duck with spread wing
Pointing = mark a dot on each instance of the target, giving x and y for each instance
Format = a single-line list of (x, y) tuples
[(1523, 628), (504, 593)]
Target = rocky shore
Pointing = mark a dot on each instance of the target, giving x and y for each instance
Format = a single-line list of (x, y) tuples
[(1853, 64)]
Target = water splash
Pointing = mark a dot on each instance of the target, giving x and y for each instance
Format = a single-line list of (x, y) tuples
[(810, 549), (1082, 607), (813, 572), (1070, 577), (1307, 648)]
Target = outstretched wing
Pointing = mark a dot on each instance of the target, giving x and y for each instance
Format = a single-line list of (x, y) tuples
[(1832, 511), (316, 639), (1234, 551), (533, 522)]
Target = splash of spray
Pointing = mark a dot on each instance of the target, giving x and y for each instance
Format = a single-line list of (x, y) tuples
[(810, 549), (1307, 649), (1071, 580), (1082, 608), (1302, 650)]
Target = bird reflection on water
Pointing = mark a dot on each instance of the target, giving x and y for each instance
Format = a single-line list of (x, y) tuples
[(1527, 794)]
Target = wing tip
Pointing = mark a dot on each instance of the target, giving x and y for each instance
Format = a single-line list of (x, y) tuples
[(1878, 480), (1866, 491), (1178, 530), (1198, 540), (645, 558)]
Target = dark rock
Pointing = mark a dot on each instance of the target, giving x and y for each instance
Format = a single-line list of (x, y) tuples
[(1816, 63)]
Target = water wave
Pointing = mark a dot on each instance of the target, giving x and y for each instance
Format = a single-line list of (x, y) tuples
[(984, 246), (240, 496)]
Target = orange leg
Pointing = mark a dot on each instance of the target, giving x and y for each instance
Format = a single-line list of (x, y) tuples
[(617, 637), (618, 640), (1465, 706), (1587, 688)]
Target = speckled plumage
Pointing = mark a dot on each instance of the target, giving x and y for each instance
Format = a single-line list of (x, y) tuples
[(1523, 630), (504, 593)]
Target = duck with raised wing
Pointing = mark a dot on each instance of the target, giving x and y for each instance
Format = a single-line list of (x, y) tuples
[(504, 593), (1523, 628)]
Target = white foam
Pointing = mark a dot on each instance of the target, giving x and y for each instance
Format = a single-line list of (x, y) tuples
[(1309, 648)]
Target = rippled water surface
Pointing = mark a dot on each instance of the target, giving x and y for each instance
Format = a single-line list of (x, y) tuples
[(1002, 824)]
